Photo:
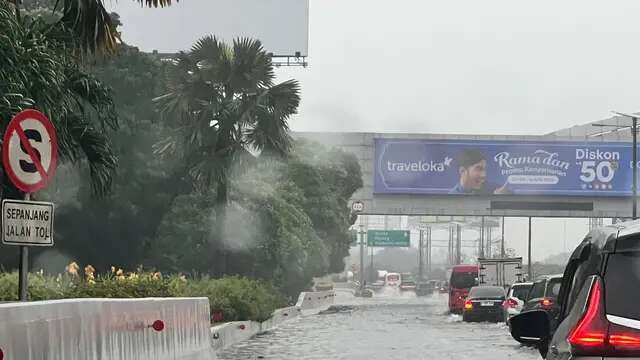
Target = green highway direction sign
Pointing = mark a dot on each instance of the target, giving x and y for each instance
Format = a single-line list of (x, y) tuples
[(388, 238)]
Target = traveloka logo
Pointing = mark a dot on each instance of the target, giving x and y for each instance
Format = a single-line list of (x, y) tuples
[(419, 166)]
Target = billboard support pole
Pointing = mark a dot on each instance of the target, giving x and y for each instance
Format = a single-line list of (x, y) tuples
[(530, 270)]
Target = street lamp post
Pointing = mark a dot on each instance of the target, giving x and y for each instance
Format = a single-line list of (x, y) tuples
[(634, 156)]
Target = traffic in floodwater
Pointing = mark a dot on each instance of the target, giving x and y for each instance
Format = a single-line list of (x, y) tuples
[(389, 325)]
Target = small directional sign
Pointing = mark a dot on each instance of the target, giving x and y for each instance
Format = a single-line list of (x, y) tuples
[(27, 223), (388, 238)]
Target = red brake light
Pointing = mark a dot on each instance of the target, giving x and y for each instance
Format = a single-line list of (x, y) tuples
[(595, 335), (591, 330), (510, 303), (468, 305)]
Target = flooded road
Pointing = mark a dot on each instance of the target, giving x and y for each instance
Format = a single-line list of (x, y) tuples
[(384, 327)]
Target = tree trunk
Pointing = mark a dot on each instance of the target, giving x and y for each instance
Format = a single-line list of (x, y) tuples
[(220, 253)]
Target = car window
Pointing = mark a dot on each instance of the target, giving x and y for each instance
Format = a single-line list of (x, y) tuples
[(537, 291), (520, 291), (486, 291), (622, 285), (575, 284), (553, 287)]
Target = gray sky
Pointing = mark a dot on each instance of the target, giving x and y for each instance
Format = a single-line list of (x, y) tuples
[(468, 66)]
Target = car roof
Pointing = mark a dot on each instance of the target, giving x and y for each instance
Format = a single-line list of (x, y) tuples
[(522, 284), (549, 277), (464, 268)]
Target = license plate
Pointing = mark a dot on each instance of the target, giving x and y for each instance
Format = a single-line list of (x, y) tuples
[(486, 303)]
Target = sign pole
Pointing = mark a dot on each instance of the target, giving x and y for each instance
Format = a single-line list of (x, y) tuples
[(23, 282)]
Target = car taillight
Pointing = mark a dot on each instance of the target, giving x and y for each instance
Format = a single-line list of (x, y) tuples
[(594, 335), (468, 305), (546, 302), (510, 303)]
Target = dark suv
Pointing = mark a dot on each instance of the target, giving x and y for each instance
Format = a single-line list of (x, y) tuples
[(543, 294), (598, 305)]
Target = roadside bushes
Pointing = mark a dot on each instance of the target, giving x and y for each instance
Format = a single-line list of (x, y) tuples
[(236, 297)]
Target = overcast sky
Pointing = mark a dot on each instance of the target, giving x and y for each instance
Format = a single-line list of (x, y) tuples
[(484, 67)]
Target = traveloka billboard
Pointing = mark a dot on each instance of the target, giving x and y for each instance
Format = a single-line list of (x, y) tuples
[(487, 167)]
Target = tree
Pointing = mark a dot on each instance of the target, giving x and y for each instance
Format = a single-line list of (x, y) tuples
[(223, 105), (92, 26), (38, 71), (328, 178)]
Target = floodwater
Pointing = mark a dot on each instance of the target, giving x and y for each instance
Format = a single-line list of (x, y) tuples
[(387, 326)]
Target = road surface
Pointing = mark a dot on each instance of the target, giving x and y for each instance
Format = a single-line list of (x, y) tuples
[(386, 327)]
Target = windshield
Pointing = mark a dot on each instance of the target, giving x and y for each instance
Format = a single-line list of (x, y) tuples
[(464, 280), (553, 287), (520, 291), (270, 179), (486, 291)]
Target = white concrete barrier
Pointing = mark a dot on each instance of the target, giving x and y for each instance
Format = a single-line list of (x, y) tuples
[(227, 334), (87, 329), (318, 300)]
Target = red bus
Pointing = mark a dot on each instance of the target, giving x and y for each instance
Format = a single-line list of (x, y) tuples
[(463, 278)]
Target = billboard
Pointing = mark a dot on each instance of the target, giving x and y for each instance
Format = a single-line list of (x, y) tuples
[(485, 167), (281, 25)]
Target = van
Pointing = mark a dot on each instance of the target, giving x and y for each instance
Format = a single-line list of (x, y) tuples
[(462, 279), (598, 315)]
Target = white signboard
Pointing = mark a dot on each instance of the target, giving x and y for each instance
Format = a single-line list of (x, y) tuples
[(27, 223)]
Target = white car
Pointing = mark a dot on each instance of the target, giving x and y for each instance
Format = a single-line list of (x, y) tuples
[(516, 296)]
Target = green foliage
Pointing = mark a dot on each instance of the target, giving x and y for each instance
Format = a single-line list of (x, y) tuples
[(239, 298), (38, 70)]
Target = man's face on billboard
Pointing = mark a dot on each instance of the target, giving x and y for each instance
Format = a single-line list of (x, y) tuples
[(474, 176)]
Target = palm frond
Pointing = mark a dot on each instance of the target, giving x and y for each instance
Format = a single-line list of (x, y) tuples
[(252, 67), (98, 151), (92, 23)]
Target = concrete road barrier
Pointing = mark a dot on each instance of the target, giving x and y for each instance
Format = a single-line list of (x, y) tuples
[(227, 334), (87, 329), (318, 300)]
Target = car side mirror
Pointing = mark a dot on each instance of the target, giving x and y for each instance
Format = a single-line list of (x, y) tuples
[(531, 328)]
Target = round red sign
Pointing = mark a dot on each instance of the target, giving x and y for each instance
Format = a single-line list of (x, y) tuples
[(30, 150)]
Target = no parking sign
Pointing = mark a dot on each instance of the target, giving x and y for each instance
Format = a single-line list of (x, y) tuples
[(30, 150)]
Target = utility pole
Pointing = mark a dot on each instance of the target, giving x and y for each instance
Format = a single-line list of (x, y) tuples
[(361, 233), (481, 245), (458, 244), (421, 256), (530, 272), (634, 168), (429, 251), (502, 254)]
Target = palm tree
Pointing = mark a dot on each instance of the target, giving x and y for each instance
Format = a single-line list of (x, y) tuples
[(224, 106), (89, 21), (38, 71)]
